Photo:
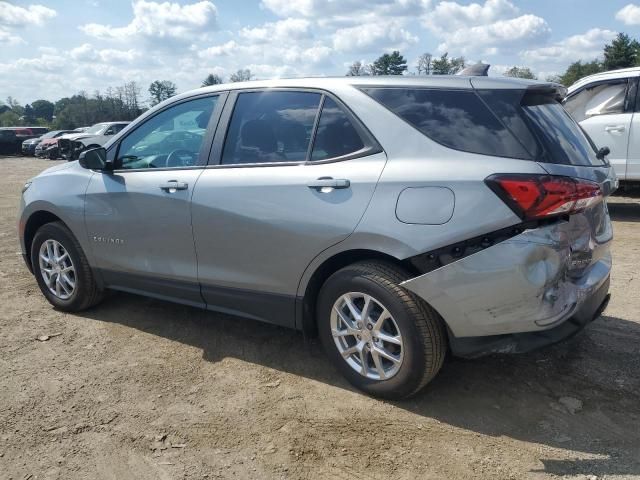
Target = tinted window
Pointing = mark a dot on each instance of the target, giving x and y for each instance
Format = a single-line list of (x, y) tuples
[(271, 126), (336, 135), (542, 125), (171, 138), (560, 135), (455, 118)]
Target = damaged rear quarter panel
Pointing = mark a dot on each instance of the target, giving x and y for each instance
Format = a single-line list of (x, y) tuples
[(530, 282)]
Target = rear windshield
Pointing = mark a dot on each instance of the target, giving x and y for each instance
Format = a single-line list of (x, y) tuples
[(504, 123)]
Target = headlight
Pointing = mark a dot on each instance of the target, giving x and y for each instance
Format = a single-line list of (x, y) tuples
[(26, 185)]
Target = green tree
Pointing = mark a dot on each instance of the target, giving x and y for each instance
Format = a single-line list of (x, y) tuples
[(160, 90), (389, 64), (242, 75), (520, 72), (28, 117), (578, 70), (622, 52), (9, 119), (447, 66), (43, 109), (212, 79)]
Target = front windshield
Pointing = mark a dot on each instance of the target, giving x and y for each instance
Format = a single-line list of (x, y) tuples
[(96, 129), (49, 135)]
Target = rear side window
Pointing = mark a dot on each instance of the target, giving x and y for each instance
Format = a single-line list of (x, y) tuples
[(336, 136), (542, 125), (271, 127), (455, 118)]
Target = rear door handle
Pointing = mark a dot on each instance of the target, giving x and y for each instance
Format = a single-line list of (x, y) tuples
[(328, 184), (173, 185), (614, 128)]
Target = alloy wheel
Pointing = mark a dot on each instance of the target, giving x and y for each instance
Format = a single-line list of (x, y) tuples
[(367, 336), (57, 269)]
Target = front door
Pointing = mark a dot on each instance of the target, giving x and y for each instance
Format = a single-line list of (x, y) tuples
[(293, 176), (138, 217)]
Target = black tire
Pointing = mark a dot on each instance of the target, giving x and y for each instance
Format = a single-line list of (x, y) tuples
[(421, 327), (86, 293)]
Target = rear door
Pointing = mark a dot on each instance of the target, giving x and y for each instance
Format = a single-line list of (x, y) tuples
[(605, 110), (292, 176)]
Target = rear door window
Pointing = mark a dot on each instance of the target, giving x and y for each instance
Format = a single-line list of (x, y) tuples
[(336, 136), (603, 98), (271, 127), (454, 118)]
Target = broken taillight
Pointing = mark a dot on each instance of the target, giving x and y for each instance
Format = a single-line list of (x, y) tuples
[(534, 196)]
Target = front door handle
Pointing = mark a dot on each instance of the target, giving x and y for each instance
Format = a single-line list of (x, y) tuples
[(173, 185), (614, 128), (328, 184)]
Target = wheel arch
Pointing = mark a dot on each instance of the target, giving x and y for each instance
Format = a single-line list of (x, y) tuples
[(306, 304), (36, 220)]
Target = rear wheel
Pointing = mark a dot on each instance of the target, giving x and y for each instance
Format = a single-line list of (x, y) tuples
[(62, 270), (383, 339)]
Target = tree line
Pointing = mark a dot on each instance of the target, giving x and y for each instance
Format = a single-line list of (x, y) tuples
[(622, 52), (125, 102), (83, 109)]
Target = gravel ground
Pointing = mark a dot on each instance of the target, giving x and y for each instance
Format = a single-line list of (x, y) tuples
[(142, 389)]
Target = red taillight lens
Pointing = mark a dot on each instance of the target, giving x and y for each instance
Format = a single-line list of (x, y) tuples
[(539, 196)]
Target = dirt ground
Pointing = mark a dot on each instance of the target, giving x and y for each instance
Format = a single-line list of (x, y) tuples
[(141, 389)]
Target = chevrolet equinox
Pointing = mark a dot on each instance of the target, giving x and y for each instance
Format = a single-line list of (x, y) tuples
[(398, 218)]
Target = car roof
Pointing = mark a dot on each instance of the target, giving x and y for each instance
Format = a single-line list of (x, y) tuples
[(609, 75), (434, 81)]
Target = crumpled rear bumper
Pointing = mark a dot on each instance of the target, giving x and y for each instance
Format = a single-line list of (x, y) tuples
[(533, 282)]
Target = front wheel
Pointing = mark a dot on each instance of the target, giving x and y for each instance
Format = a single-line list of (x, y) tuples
[(62, 270), (381, 337)]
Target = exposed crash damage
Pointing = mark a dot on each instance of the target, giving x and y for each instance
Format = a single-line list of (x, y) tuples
[(535, 288)]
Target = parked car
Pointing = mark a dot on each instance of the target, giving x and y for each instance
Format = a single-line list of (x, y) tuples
[(399, 218), (70, 145), (47, 145), (606, 106), (30, 147), (11, 138)]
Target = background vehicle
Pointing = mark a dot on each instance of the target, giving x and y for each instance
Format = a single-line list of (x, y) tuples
[(47, 142), (606, 105), (11, 138), (70, 145), (30, 147), (395, 217)]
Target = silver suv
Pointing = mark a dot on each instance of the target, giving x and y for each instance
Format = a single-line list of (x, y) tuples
[(397, 218)]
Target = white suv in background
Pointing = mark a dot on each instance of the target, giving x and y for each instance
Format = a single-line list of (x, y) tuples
[(607, 107)]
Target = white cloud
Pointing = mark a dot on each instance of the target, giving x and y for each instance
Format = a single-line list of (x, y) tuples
[(87, 53), (16, 16), (283, 30), (373, 37), (629, 14), (586, 46), (161, 20), (327, 8), (451, 16), (8, 38), (485, 29)]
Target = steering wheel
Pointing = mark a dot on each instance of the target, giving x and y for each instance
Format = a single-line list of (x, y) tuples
[(174, 158)]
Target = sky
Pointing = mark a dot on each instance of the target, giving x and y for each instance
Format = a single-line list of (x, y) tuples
[(56, 48)]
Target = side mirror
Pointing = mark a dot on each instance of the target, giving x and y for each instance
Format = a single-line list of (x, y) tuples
[(603, 152), (94, 159)]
